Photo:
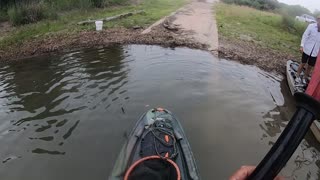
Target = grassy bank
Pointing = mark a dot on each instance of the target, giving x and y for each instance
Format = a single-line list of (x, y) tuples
[(262, 28), (20, 12), (66, 22)]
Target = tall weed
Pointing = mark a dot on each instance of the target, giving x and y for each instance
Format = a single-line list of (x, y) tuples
[(292, 25), (25, 14), (3, 15)]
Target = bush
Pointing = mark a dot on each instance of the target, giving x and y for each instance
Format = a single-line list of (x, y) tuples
[(29, 13), (98, 3), (83, 4), (300, 27), (292, 10), (258, 4), (105, 3), (114, 2), (69, 4), (288, 22), (15, 16), (26, 14), (293, 26), (3, 16)]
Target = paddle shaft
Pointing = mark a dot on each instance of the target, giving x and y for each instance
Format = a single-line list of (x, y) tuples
[(289, 140), (285, 146)]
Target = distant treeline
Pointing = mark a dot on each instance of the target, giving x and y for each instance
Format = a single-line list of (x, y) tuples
[(258, 4), (287, 12), (20, 12), (272, 5)]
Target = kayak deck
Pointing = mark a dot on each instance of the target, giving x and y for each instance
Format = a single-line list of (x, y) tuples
[(130, 151), (292, 68)]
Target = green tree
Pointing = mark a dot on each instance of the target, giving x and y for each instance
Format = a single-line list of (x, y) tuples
[(293, 10), (258, 4)]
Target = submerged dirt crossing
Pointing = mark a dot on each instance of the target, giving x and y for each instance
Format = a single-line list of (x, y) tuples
[(194, 21), (197, 18)]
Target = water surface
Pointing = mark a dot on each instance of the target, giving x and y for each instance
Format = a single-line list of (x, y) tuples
[(66, 116)]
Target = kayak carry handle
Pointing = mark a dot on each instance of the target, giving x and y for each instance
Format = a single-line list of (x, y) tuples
[(308, 109)]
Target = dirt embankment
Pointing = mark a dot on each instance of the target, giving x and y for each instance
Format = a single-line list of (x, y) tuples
[(250, 53), (61, 42)]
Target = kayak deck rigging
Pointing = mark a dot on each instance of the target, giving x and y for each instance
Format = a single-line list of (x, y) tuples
[(162, 129)]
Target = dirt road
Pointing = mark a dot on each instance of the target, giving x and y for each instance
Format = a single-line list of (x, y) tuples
[(194, 21)]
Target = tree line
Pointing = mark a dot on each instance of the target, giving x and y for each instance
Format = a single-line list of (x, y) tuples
[(272, 5)]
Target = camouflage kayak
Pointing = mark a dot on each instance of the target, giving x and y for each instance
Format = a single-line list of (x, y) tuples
[(157, 148)]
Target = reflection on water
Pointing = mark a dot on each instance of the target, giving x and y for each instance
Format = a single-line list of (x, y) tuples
[(66, 117), (276, 119), (305, 159)]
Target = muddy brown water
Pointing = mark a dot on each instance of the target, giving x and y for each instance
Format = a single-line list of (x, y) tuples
[(66, 116)]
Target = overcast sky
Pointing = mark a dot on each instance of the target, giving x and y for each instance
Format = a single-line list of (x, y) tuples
[(310, 4)]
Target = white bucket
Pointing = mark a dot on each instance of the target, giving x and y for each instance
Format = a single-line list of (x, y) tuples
[(99, 25)]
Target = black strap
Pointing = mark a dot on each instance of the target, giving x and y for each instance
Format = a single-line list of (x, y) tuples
[(154, 143), (312, 50)]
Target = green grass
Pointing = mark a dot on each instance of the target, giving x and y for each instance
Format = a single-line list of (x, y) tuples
[(265, 28), (67, 22), (3, 15)]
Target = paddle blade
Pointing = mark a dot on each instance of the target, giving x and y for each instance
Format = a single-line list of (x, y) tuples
[(314, 85)]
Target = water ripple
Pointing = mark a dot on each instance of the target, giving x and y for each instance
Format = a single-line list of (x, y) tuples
[(80, 104)]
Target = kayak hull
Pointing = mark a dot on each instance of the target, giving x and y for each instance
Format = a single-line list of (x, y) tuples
[(130, 151), (292, 68)]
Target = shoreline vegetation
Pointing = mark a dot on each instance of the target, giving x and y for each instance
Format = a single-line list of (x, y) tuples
[(265, 35)]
